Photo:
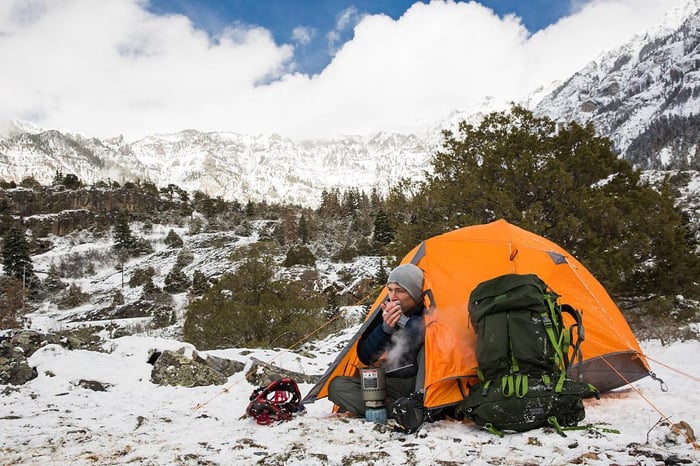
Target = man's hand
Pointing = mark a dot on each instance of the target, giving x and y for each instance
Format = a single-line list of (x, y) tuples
[(391, 312)]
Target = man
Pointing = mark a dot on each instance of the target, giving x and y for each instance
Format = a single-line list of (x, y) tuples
[(395, 344)]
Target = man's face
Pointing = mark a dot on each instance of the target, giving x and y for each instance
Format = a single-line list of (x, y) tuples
[(396, 293)]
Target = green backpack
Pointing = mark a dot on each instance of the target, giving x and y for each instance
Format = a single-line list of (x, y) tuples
[(523, 350)]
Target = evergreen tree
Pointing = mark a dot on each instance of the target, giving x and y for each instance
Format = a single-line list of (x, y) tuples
[(250, 209), (200, 283), (57, 178), (184, 258), (382, 275), (71, 181), (303, 230), (123, 239), (16, 261), (53, 282), (383, 231), (72, 297), (141, 276), (5, 217), (564, 183), (12, 303), (176, 281), (173, 240), (330, 202)]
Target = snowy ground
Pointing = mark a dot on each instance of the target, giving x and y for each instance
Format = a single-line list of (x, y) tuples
[(54, 421)]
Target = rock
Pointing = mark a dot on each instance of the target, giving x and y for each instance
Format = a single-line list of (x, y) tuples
[(30, 341), (14, 351), (262, 373), (72, 342), (227, 367), (93, 385), (172, 368), (14, 369)]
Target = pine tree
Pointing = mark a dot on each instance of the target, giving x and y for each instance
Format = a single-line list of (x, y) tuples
[(382, 275), (176, 281), (303, 230), (16, 261), (53, 282), (562, 182), (12, 303), (123, 239), (383, 231), (200, 283), (173, 240)]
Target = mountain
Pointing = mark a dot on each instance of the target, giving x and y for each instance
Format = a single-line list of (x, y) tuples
[(226, 164), (645, 96)]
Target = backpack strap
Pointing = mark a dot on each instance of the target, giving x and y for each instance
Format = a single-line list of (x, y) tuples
[(550, 321), (580, 336)]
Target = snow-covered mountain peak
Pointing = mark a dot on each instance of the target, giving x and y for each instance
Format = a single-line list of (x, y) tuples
[(644, 95)]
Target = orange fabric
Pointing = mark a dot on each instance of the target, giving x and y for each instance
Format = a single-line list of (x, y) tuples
[(455, 262)]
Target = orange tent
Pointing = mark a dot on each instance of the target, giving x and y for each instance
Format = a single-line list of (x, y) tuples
[(454, 263)]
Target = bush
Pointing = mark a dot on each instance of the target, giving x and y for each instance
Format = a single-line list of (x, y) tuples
[(141, 277), (250, 308), (73, 297), (176, 281), (299, 255), (12, 303), (173, 240)]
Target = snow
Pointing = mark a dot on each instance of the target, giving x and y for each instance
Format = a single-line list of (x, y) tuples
[(53, 420)]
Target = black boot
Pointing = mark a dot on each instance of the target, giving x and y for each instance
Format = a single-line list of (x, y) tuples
[(408, 413)]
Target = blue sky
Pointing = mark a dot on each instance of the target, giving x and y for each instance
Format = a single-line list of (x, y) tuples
[(301, 69), (282, 17)]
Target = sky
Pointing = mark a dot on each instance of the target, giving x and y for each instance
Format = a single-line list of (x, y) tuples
[(317, 28), (301, 69)]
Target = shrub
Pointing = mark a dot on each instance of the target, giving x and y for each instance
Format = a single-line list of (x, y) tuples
[(12, 303), (141, 276), (73, 297), (299, 255), (250, 308), (176, 281), (173, 240)]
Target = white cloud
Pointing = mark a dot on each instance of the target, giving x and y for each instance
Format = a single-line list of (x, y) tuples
[(109, 67), (303, 35), (347, 19)]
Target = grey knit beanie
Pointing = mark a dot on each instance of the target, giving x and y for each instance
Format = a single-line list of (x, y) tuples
[(410, 278)]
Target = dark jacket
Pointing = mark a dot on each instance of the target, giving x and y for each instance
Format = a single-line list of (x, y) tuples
[(402, 346)]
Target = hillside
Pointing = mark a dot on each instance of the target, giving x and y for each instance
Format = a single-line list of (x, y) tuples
[(94, 399), (644, 96)]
